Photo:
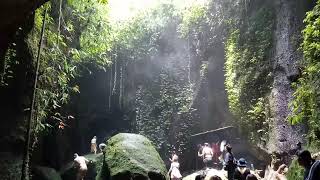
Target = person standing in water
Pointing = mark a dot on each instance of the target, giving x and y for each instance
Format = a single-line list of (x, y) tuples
[(207, 155), (81, 162), (174, 168), (94, 145)]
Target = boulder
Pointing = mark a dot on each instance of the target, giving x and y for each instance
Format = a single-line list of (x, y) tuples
[(10, 166), (45, 173), (132, 156)]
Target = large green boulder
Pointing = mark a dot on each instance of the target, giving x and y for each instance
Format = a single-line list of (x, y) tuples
[(132, 156), (45, 173)]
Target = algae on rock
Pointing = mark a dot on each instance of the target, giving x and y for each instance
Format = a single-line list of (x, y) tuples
[(133, 155), (45, 173)]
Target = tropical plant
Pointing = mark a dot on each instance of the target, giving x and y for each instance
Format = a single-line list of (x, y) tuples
[(306, 106)]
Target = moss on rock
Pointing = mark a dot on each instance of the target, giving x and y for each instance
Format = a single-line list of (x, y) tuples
[(133, 155), (45, 173), (10, 166)]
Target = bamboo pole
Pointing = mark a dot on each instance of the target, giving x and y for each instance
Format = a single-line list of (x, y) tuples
[(211, 131)]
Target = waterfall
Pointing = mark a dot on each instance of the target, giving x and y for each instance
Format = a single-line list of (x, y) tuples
[(121, 87), (115, 77), (189, 62), (110, 84)]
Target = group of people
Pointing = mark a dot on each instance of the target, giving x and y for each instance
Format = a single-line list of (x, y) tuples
[(235, 169), (209, 154), (93, 148), (80, 162)]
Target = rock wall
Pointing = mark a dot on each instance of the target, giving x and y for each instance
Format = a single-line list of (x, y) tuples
[(289, 23), (13, 13)]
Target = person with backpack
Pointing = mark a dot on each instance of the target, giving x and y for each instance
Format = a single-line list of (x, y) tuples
[(229, 162)]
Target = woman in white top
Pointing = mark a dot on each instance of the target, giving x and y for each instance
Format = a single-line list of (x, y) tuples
[(174, 169), (94, 145)]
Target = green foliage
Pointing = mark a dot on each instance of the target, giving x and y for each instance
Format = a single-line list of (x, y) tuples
[(248, 72), (91, 20), (163, 102), (9, 62), (10, 166), (295, 172), (80, 39), (306, 106), (192, 17), (160, 100)]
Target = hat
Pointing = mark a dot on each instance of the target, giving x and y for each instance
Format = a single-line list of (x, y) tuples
[(206, 144), (228, 147), (242, 162)]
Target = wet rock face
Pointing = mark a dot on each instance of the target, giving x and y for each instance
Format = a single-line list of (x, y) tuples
[(12, 15), (285, 64), (132, 156)]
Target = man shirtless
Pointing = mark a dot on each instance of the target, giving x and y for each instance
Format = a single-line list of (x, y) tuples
[(81, 163), (207, 154)]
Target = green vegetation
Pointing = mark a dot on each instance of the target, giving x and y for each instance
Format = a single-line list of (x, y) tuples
[(168, 50), (249, 72), (306, 103), (46, 173), (295, 171), (74, 37), (10, 166), (192, 17)]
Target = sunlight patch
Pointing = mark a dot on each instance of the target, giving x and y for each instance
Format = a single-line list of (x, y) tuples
[(121, 10)]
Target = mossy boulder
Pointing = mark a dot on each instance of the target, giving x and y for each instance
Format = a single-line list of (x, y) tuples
[(68, 172), (10, 166), (132, 156), (45, 173)]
